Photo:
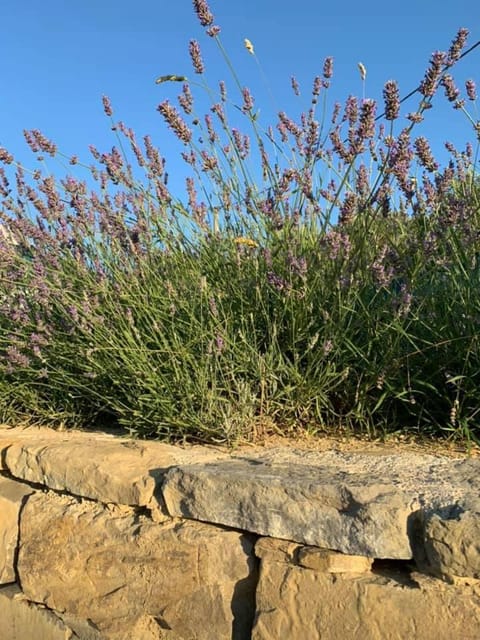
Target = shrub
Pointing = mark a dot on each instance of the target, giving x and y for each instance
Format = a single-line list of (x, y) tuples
[(337, 292)]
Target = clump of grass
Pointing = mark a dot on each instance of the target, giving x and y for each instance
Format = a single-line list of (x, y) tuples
[(314, 283)]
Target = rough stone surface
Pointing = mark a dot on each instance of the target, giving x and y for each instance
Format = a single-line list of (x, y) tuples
[(23, 620), (295, 602), (311, 557), (452, 540), (115, 566), (332, 561), (12, 496), (123, 569), (97, 466), (353, 503)]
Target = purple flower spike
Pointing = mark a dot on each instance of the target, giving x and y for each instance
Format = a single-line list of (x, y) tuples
[(203, 12)]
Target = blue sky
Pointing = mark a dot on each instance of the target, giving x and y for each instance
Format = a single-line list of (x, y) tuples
[(59, 58)]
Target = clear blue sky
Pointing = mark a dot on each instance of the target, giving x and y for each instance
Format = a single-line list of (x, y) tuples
[(60, 57)]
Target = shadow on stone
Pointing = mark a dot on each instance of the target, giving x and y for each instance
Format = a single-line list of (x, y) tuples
[(243, 603)]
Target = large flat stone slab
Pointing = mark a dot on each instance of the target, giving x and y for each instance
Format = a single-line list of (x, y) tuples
[(357, 504), (95, 465), (117, 568)]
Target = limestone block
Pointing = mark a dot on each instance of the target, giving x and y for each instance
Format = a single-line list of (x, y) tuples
[(452, 540), (296, 602), (310, 557), (12, 496), (332, 561), (276, 550), (353, 503), (197, 581), (96, 466), (23, 620)]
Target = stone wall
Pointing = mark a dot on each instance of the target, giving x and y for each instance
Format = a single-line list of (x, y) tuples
[(103, 537)]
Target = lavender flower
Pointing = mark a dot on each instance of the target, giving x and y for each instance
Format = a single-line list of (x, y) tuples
[(298, 266), (107, 106), (404, 301), (336, 243), (451, 91), (156, 163), (456, 47), (348, 209), (317, 86), (362, 183), (336, 112), (382, 274), (239, 143), (203, 12), (327, 70), (209, 163), (338, 146), (196, 57), (219, 343), (327, 347), (223, 91), (424, 154), (16, 358), (400, 157), (392, 100), (295, 86), (288, 124), (415, 117), (429, 83), (351, 110), (185, 99), (471, 89), (366, 127), (277, 282), (5, 157), (213, 31), (212, 134), (247, 100), (38, 142), (175, 122), (218, 110)]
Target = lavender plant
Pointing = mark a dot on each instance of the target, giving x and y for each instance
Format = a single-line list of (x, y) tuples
[(306, 281)]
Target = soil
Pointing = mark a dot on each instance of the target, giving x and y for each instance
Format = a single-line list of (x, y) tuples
[(395, 444), (268, 437)]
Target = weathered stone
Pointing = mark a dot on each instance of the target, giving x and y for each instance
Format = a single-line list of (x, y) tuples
[(10, 435), (332, 561), (295, 602), (196, 580), (276, 550), (353, 503), (452, 540), (310, 557), (144, 628), (12, 496), (97, 466), (23, 620)]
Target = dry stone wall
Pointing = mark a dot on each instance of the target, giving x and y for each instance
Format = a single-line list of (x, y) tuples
[(103, 537)]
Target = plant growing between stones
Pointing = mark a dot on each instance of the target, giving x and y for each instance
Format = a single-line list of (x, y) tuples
[(307, 280)]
